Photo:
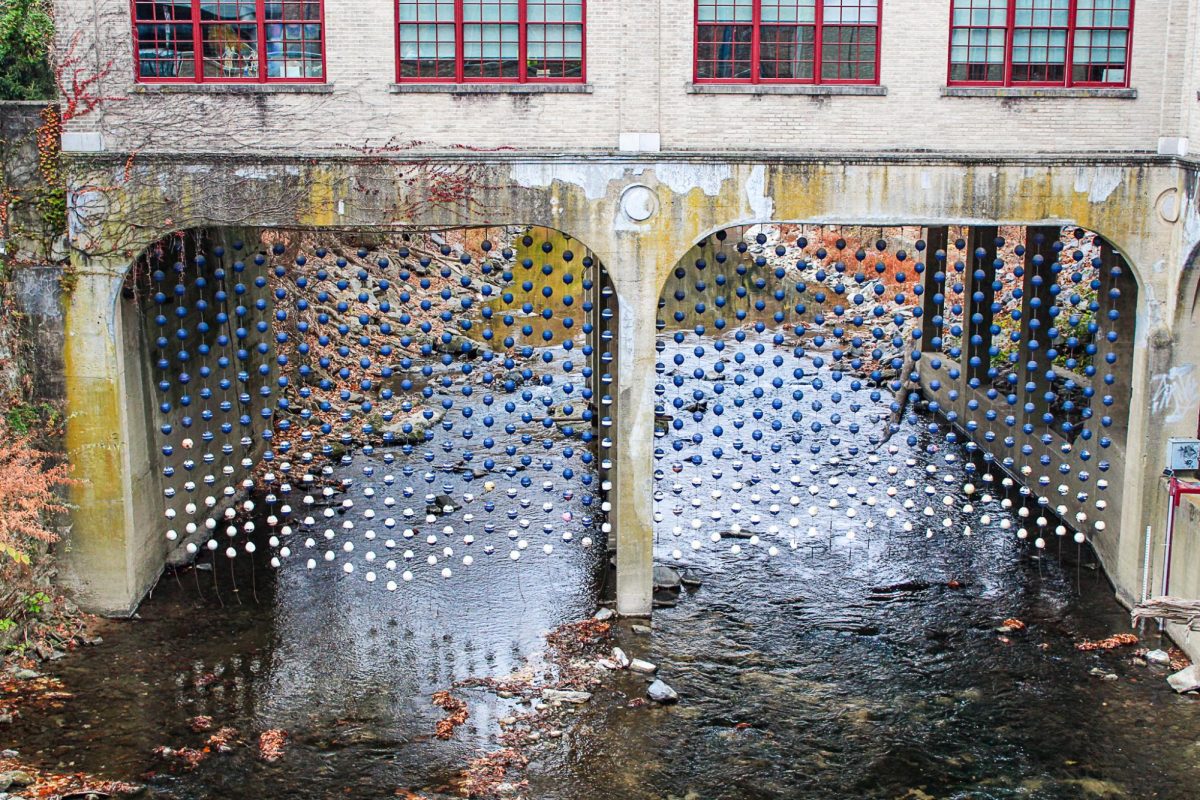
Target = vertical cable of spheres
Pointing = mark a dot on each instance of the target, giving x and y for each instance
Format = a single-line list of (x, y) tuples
[(936, 345)]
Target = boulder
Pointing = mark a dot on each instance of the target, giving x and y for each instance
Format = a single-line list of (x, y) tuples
[(619, 658), (659, 692), (1186, 680), (645, 667), (551, 695), (666, 578), (1159, 657), (604, 614)]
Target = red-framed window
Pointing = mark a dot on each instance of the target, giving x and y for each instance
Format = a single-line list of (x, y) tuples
[(1040, 42), (229, 41), (787, 41), (491, 41)]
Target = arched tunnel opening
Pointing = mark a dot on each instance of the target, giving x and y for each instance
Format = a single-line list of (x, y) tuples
[(850, 399), (364, 410)]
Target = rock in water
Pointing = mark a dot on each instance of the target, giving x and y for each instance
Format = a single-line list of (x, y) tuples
[(1186, 680), (17, 777), (638, 665), (1160, 657), (659, 692), (666, 578), (550, 695), (619, 657), (605, 614)]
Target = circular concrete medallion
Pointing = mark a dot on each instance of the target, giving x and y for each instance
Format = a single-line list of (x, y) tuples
[(639, 202)]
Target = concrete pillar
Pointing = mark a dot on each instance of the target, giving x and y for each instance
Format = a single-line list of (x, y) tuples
[(936, 239), (977, 315), (633, 487), (114, 553)]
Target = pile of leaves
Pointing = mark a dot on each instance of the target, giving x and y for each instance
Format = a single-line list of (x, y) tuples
[(485, 774), (1110, 643), (456, 714), (74, 784), (270, 745)]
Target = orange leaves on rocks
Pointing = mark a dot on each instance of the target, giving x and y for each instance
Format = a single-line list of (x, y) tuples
[(270, 745), (1111, 643), (456, 714), (486, 774), (75, 784)]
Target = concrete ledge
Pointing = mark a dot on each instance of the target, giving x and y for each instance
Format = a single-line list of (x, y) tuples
[(233, 88), (1039, 92), (807, 89), (490, 88)]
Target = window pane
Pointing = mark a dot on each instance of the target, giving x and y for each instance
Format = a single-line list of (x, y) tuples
[(789, 11), (848, 53), (723, 51), (491, 51), (1101, 41), (554, 11), (165, 47), (554, 51), (977, 40), (426, 39), (786, 52), (425, 11), (491, 11), (293, 40), (1099, 56), (725, 11), (292, 9), (851, 11), (230, 51)]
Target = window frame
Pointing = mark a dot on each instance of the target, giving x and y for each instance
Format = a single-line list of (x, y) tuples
[(1068, 65), (260, 22), (460, 60), (755, 54)]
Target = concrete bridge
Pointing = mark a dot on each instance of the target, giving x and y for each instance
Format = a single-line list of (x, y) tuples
[(640, 216)]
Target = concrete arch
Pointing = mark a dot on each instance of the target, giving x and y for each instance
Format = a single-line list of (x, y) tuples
[(694, 195), (117, 547)]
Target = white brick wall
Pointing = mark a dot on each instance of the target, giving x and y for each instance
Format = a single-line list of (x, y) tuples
[(639, 65)]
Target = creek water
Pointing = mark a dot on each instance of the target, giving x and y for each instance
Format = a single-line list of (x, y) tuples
[(843, 668)]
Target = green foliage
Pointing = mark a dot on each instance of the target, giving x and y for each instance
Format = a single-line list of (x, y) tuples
[(7, 625), (30, 418), (35, 602), (18, 556), (26, 35)]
